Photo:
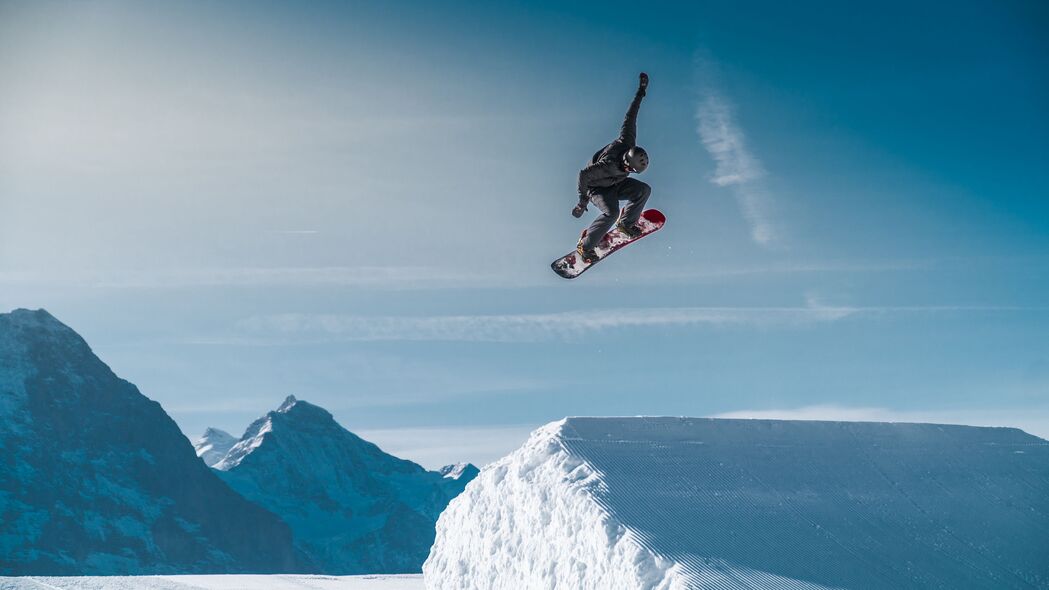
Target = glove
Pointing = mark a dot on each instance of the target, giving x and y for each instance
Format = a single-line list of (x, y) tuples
[(642, 84), (577, 212)]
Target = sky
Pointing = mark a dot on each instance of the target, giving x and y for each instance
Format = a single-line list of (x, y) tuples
[(356, 203)]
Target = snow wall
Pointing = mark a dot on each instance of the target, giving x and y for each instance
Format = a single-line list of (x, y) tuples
[(673, 503)]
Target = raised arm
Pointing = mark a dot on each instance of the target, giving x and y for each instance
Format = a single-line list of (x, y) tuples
[(628, 134)]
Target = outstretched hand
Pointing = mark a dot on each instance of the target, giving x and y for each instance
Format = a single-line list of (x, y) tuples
[(643, 83), (577, 212)]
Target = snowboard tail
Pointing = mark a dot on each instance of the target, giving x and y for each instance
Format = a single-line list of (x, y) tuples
[(572, 265)]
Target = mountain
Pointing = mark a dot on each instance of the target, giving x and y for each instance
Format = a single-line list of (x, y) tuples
[(456, 476), (689, 503), (213, 445), (96, 479), (464, 472), (352, 507)]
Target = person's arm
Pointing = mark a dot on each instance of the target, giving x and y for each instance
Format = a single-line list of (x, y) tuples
[(593, 173), (586, 176), (628, 134)]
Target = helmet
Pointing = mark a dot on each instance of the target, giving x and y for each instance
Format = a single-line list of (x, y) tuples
[(636, 159)]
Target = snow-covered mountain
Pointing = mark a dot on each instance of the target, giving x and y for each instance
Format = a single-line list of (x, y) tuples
[(213, 445), (96, 479), (352, 507), (689, 503), (456, 476), (459, 471)]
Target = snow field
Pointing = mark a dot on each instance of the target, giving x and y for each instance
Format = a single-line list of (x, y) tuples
[(666, 503), (529, 522)]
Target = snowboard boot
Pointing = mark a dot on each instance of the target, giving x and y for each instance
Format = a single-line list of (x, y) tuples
[(588, 254), (630, 231)]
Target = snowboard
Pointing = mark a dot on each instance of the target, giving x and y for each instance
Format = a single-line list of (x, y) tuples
[(572, 265)]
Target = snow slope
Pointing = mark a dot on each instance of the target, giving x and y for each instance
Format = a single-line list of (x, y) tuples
[(213, 445), (96, 479), (352, 508), (673, 503), (228, 582)]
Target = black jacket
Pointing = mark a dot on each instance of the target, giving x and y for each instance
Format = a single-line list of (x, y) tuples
[(606, 167)]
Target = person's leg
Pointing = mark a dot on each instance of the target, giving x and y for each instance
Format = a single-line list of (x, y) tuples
[(608, 204), (637, 193)]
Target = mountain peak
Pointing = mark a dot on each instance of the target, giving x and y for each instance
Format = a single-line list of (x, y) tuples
[(26, 334), (294, 417), (32, 341), (213, 445), (289, 403), (39, 321), (457, 471), (210, 432), (97, 446), (299, 413), (337, 491), (32, 315)]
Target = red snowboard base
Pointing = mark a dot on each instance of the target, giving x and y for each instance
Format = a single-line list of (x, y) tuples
[(572, 265)]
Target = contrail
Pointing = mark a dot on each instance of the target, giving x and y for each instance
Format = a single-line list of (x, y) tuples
[(737, 167)]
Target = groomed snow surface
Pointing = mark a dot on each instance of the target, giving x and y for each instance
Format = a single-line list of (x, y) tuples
[(675, 503), (232, 582), (529, 521)]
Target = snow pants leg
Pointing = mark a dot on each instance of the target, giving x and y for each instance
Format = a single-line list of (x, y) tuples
[(607, 201), (637, 193)]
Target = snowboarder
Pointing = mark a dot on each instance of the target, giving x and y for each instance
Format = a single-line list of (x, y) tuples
[(606, 182)]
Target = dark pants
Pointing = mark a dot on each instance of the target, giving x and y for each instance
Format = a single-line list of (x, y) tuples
[(607, 200)]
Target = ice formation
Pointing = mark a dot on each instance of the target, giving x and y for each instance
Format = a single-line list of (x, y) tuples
[(674, 503)]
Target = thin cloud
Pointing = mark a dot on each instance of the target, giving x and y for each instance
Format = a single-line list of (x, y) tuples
[(526, 327), (407, 277), (393, 277), (280, 329), (726, 143), (736, 167), (802, 268)]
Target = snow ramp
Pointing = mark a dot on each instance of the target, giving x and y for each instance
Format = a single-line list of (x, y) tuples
[(674, 503)]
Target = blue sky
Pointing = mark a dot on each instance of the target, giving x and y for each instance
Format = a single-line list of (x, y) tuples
[(357, 204)]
